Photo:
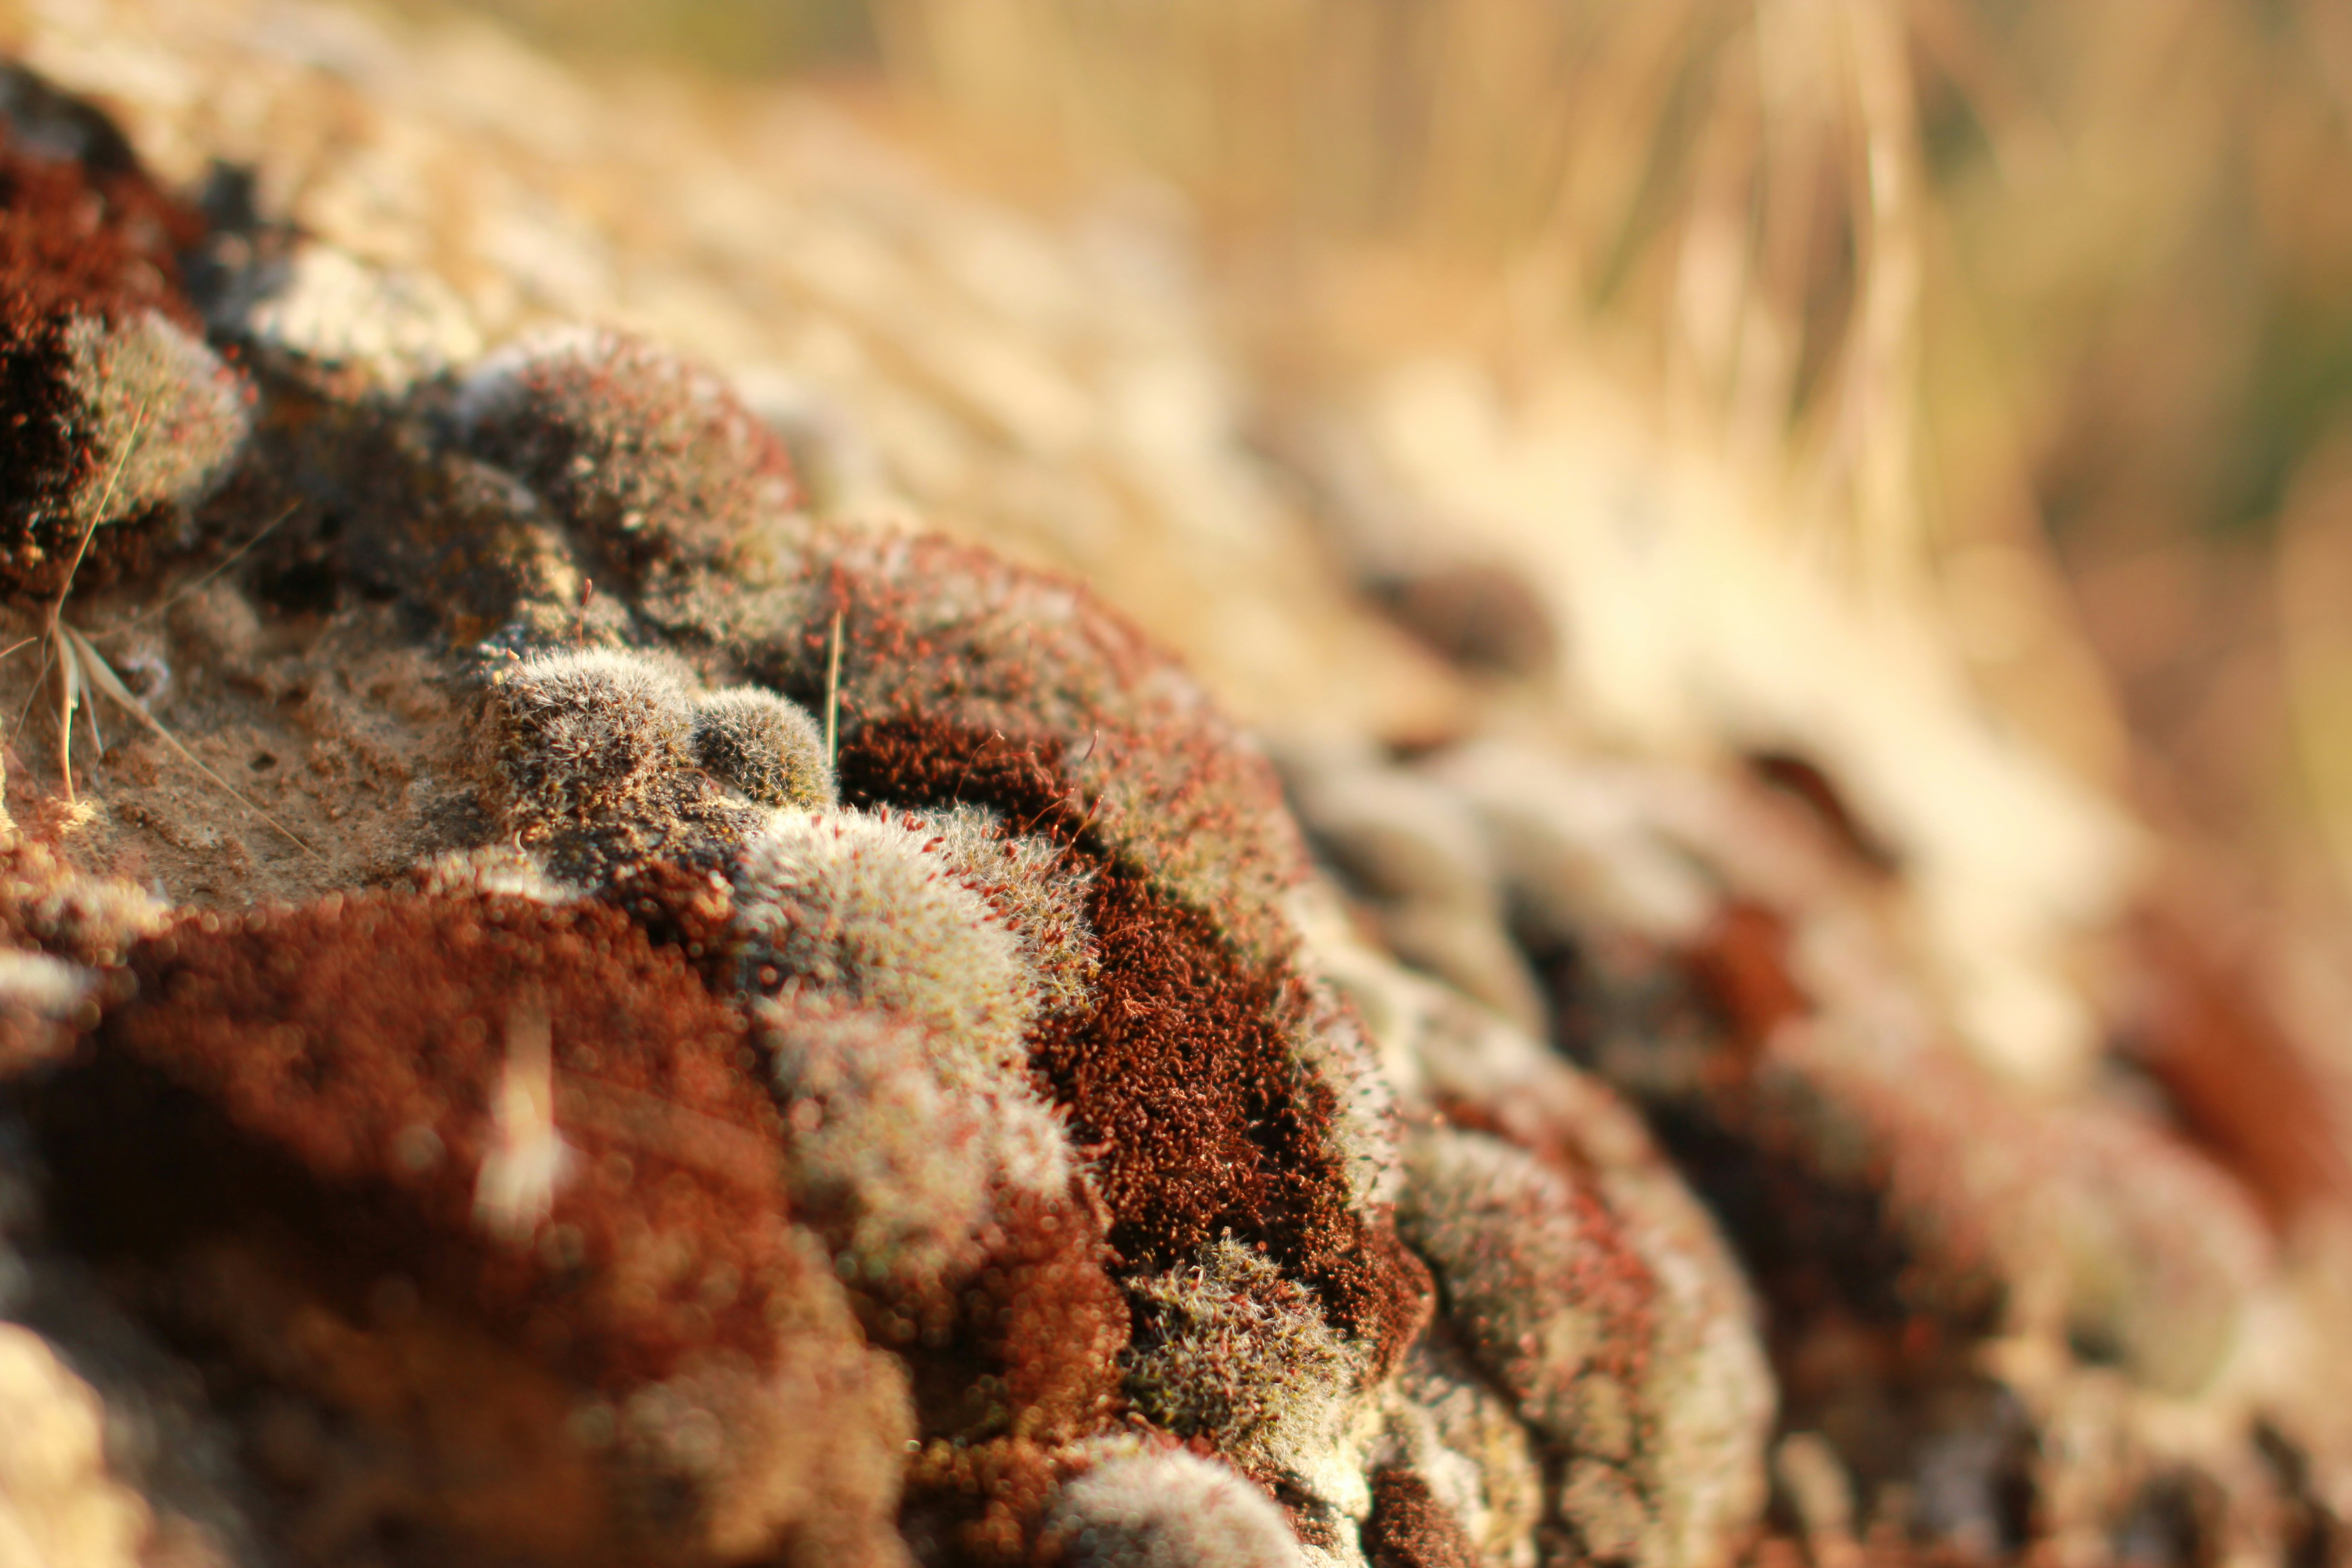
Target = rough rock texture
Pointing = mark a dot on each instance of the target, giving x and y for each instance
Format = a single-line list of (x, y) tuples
[(606, 1006)]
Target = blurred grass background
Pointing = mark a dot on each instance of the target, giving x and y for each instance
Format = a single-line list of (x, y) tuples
[(2038, 318)]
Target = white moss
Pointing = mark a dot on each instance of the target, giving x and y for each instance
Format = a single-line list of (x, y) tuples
[(1033, 885), (586, 728), (899, 1168), (860, 908), (1168, 1509), (1228, 1350), (769, 749)]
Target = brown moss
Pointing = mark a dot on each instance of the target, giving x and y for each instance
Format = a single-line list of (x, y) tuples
[(2237, 1078), (81, 239), (1179, 1073), (339, 1067), (967, 682), (972, 661), (1740, 964), (1182, 1078), (1046, 1317), (981, 1506), (1409, 1528), (685, 908)]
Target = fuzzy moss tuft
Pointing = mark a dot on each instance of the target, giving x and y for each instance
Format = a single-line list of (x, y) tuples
[(862, 909), (575, 732), (115, 407), (1229, 1350), (1167, 1508), (765, 746), (652, 458)]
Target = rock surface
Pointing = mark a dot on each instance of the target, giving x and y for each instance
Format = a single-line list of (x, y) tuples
[(610, 1003)]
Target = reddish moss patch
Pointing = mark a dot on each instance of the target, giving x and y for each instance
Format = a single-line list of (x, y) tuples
[(947, 643), (684, 908), (1025, 1343), (335, 1071), (918, 762), (80, 239), (1404, 1311), (2243, 1086), (1179, 1077), (88, 238), (982, 1506), (1409, 1528), (1740, 963), (1050, 1320)]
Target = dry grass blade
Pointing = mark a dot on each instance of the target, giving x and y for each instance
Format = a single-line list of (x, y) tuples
[(83, 671), (832, 695), (84, 663), (53, 616), (68, 699), (164, 605)]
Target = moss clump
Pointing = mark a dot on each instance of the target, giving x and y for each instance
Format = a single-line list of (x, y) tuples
[(1229, 1350), (165, 418), (898, 1166), (956, 1217), (1410, 1528), (652, 459), (1555, 1306), (573, 735), (115, 404), (1159, 1507), (1036, 887), (765, 746), (862, 909), (338, 1087)]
